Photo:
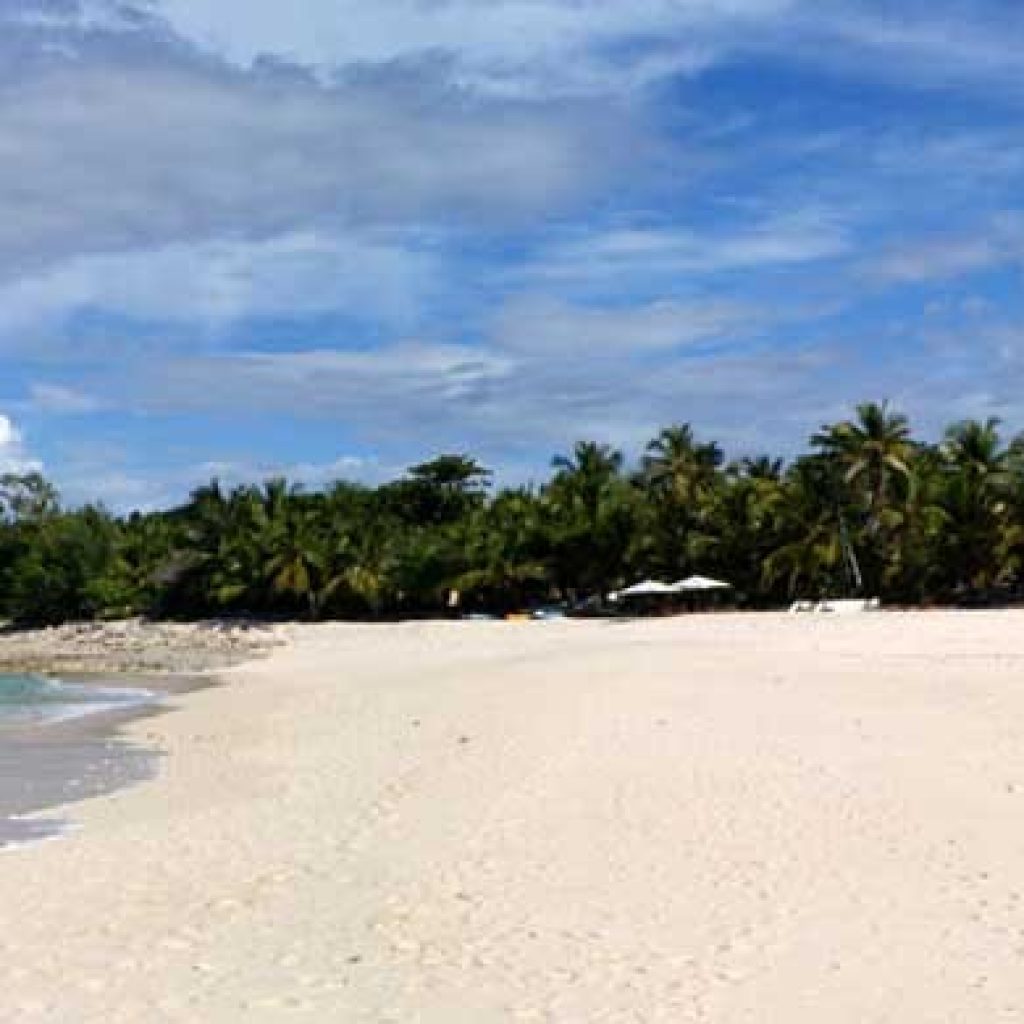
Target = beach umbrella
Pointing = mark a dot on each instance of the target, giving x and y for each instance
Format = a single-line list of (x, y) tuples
[(646, 588), (697, 583)]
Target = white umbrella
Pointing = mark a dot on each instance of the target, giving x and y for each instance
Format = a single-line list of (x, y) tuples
[(646, 588), (699, 583)]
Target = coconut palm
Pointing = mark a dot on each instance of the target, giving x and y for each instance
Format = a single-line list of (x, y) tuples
[(874, 452), (583, 479), (976, 502), (680, 476), (808, 555), (590, 509), (676, 465), (506, 552)]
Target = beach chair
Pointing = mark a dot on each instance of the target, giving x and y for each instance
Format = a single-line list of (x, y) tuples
[(849, 606)]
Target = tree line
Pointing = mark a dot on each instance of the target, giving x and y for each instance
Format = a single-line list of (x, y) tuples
[(866, 510)]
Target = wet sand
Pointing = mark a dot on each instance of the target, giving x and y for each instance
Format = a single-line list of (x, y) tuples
[(49, 764)]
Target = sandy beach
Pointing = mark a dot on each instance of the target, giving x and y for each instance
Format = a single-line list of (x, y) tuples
[(749, 818)]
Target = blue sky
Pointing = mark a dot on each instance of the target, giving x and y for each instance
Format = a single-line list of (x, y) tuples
[(242, 238)]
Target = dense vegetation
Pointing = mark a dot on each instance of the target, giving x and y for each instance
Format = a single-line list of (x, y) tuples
[(868, 510)]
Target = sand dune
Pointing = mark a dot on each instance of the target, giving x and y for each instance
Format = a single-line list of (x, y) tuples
[(721, 819)]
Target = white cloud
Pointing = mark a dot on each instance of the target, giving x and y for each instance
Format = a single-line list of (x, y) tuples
[(545, 375), (105, 155), (938, 42), (14, 458), (123, 486), (358, 468), (620, 256), (370, 274), (557, 329), (502, 46), (597, 47), (152, 196)]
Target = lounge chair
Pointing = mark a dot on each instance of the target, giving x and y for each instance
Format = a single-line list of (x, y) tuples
[(849, 607)]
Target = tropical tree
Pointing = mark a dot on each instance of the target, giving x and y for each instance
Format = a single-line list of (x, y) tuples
[(808, 555), (506, 552), (677, 466), (680, 476), (872, 458), (976, 503), (590, 514), (869, 508), (874, 451)]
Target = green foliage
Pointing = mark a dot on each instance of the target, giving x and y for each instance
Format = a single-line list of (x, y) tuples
[(869, 510)]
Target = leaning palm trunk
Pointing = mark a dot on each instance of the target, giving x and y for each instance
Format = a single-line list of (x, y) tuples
[(849, 555)]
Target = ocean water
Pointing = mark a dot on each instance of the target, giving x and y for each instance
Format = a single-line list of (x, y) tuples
[(58, 744), (32, 700)]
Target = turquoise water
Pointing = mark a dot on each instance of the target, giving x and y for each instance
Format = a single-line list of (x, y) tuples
[(42, 766), (37, 700)]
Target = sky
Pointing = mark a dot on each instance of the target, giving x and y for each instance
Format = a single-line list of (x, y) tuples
[(332, 238)]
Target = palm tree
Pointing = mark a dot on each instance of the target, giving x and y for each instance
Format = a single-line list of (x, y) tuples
[(505, 546), (976, 450), (761, 467), (681, 476), (872, 458), (584, 477), (874, 452), (808, 555), (747, 518), (590, 508), (297, 562), (676, 465), (976, 502)]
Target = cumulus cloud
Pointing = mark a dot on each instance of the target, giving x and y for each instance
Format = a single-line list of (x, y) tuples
[(14, 458), (359, 468)]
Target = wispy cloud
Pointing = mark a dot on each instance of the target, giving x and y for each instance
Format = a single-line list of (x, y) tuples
[(557, 329), (999, 242), (60, 400), (621, 255), (371, 274)]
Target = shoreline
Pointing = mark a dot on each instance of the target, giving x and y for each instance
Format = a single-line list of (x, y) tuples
[(714, 818), (48, 767)]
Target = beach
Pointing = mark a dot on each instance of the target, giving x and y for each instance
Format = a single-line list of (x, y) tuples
[(718, 818)]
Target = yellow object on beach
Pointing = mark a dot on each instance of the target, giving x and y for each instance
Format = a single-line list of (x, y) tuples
[(518, 617)]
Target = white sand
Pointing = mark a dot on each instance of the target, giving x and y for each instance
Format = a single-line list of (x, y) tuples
[(725, 819)]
